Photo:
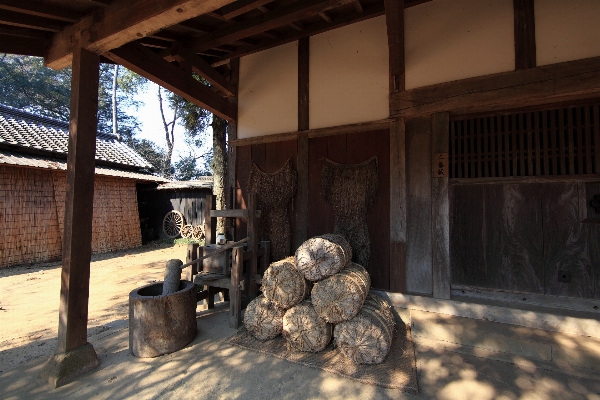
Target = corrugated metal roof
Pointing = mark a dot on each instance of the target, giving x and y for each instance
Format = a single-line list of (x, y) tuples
[(202, 183), (26, 160), (22, 129)]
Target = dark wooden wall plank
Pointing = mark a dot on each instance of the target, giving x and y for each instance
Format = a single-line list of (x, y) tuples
[(320, 216), (514, 246), (377, 143), (597, 139), (418, 205), (397, 211), (259, 155), (302, 193), (565, 243), (467, 258)]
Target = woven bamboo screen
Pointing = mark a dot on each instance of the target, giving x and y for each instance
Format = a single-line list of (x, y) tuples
[(562, 141), (29, 226), (32, 213)]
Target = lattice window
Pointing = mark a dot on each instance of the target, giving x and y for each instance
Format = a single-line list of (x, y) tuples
[(563, 141)]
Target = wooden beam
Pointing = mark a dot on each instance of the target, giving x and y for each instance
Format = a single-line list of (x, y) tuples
[(77, 235), (203, 69), (30, 21), (313, 133), (281, 16), (122, 22), (527, 87), (301, 207), (151, 66), (339, 21), (22, 45), (394, 19), (440, 210), (525, 51), (241, 7), (38, 9)]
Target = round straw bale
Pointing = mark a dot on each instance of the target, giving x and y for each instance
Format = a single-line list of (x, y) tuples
[(367, 338), (263, 319), (341, 296), (304, 330), (284, 285), (323, 256)]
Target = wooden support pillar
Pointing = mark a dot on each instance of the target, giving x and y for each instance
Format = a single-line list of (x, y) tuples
[(398, 206), (525, 50), (394, 19), (302, 154), (234, 79), (440, 208), (74, 355)]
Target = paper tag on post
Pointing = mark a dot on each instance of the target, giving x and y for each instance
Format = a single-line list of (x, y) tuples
[(440, 165)]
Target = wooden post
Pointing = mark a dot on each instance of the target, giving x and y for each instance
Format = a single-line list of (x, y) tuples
[(525, 50), (398, 206), (235, 294), (74, 355), (440, 208), (230, 194), (394, 19), (209, 226), (192, 254), (302, 154), (252, 246)]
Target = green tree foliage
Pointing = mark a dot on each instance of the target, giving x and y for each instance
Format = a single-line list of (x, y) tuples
[(28, 85)]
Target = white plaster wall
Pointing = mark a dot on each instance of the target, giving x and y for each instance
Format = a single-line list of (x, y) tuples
[(566, 30), (348, 81), (447, 40), (268, 92)]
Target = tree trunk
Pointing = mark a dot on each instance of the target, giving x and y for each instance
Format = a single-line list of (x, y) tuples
[(114, 104), (219, 166)]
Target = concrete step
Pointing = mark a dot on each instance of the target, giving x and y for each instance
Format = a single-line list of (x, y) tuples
[(504, 342)]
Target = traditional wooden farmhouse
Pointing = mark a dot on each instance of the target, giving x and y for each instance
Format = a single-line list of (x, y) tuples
[(33, 184), (455, 142)]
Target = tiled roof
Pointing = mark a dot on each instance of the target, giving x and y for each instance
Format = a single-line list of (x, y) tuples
[(27, 160), (201, 183), (28, 131)]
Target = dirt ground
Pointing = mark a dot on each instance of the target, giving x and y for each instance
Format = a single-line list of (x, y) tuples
[(29, 298)]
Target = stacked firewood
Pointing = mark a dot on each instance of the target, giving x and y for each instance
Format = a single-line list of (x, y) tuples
[(320, 294)]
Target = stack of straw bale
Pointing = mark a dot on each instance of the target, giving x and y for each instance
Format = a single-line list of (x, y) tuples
[(367, 338), (341, 296), (304, 330), (364, 323), (323, 256)]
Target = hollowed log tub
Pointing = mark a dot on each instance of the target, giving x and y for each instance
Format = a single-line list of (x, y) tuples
[(161, 324)]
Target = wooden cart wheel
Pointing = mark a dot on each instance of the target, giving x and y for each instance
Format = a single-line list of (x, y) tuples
[(173, 223), (197, 232), (186, 231)]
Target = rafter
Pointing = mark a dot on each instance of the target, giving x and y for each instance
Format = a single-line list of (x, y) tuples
[(30, 21), (44, 10), (151, 66), (371, 11), (273, 19), (122, 22), (201, 67), (241, 7)]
